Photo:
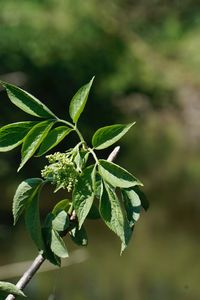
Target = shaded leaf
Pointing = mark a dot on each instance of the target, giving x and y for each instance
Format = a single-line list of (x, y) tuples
[(61, 205), (80, 159), (116, 175), (143, 198), (10, 288), (57, 245), (107, 136), (112, 214), (132, 205), (93, 213), (24, 194), (79, 236), (47, 252), (33, 140), (12, 135), (83, 194), (26, 101), (32, 221), (79, 100), (53, 138)]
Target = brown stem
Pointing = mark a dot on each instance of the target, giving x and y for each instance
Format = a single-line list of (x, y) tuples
[(38, 261)]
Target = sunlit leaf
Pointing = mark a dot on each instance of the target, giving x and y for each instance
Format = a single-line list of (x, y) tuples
[(57, 245), (79, 100), (60, 221), (10, 288), (107, 136), (24, 194), (12, 135), (116, 175), (53, 138), (83, 194), (27, 102), (33, 140)]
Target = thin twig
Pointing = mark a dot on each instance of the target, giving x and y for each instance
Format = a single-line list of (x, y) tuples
[(38, 261)]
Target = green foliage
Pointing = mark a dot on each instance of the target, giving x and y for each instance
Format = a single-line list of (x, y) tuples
[(79, 100), (24, 195), (116, 175), (9, 288), (107, 136), (95, 187), (12, 135)]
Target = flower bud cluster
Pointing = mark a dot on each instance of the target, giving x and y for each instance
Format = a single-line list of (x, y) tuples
[(61, 171)]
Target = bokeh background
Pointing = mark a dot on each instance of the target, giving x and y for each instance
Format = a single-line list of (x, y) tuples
[(145, 56)]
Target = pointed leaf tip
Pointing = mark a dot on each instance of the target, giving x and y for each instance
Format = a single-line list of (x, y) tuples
[(27, 102), (79, 100), (108, 135)]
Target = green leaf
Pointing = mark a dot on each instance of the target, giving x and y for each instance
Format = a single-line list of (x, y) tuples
[(132, 205), (61, 205), (116, 175), (47, 252), (79, 100), (143, 198), (32, 221), (107, 136), (80, 159), (10, 288), (93, 213), (60, 221), (112, 214), (24, 194), (27, 102), (83, 194), (57, 245), (53, 138), (33, 140), (12, 135), (79, 236)]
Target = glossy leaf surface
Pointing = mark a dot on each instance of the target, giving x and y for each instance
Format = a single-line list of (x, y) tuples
[(33, 140), (79, 100), (107, 136), (12, 135), (116, 175), (53, 138), (26, 101)]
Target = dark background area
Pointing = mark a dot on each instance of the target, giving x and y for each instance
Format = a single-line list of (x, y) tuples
[(146, 62)]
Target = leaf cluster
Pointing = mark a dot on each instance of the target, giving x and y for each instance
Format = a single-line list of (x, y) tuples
[(100, 190)]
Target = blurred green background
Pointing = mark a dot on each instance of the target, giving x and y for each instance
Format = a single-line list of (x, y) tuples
[(145, 56)]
